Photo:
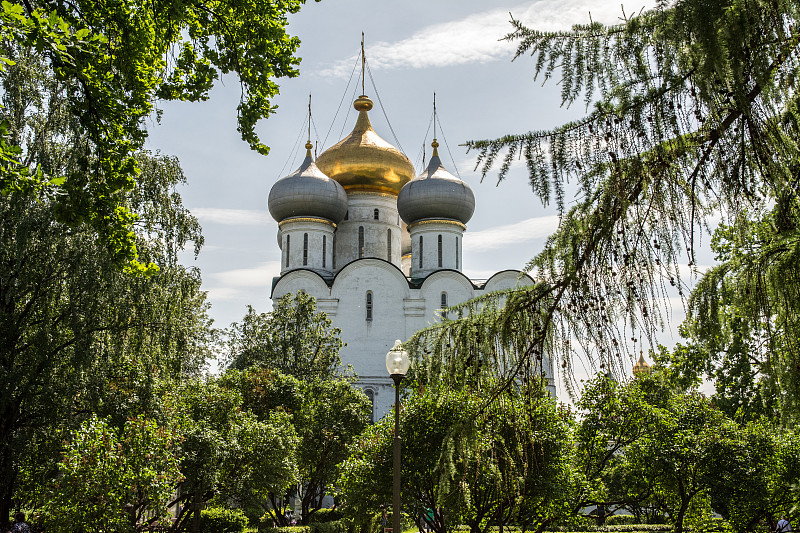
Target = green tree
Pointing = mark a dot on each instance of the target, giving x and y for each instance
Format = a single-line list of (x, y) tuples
[(113, 480), (753, 483), (294, 339), (227, 453), (108, 66), (691, 113), (333, 416), (466, 463), (79, 337)]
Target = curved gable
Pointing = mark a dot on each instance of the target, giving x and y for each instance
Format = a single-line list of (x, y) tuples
[(304, 279), (507, 279)]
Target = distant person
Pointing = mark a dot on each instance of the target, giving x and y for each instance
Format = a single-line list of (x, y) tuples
[(20, 526), (783, 525)]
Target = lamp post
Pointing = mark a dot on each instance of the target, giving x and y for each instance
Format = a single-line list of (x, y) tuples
[(397, 364)]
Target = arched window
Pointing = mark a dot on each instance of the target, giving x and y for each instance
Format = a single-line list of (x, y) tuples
[(444, 304), (346, 215), (456, 253), (371, 396), (333, 253), (360, 242), (324, 249), (420, 251), (388, 245), (369, 305), (440, 251), (305, 249), (375, 214), (287, 250)]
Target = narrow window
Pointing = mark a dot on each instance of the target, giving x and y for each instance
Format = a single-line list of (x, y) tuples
[(369, 305), (440, 251), (420, 251), (371, 397), (444, 304), (388, 245), (360, 242), (305, 249), (346, 215), (456, 253), (375, 214), (333, 253), (287, 251), (324, 249)]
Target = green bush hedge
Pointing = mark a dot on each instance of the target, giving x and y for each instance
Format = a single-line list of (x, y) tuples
[(337, 526), (220, 520), (325, 515)]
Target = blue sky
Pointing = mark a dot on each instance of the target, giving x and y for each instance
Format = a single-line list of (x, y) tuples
[(414, 48)]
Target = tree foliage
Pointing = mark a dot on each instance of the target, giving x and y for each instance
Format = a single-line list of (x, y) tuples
[(294, 339), (113, 480), (508, 464), (691, 114), (106, 66)]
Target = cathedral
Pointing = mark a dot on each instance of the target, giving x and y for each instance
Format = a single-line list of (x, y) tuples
[(379, 248)]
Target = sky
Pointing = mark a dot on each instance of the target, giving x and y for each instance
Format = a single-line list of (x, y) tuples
[(414, 48)]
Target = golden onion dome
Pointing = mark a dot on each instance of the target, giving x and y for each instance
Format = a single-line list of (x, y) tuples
[(364, 161), (641, 366)]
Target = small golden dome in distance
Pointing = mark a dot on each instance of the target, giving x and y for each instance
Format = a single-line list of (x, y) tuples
[(641, 366)]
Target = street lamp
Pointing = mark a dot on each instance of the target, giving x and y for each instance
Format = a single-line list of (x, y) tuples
[(397, 364)]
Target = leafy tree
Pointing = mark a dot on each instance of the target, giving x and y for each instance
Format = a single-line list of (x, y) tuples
[(754, 481), (328, 415), (227, 453), (613, 416), (113, 480), (108, 65), (691, 113), (333, 416), (79, 337), (294, 339), (507, 464)]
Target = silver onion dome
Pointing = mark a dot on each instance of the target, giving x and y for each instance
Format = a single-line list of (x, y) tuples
[(307, 192), (436, 194)]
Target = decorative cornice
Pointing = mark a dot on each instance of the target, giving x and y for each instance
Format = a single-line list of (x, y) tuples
[(437, 221), (306, 219), (370, 190)]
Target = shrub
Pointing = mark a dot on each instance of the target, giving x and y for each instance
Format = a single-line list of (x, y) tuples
[(620, 520), (325, 515), (220, 520), (288, 529)]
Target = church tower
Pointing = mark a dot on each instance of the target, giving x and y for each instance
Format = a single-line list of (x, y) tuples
[(372, 173)]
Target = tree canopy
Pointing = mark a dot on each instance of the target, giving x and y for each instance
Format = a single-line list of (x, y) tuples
[(106, 66), (294, 338), (692, 116)]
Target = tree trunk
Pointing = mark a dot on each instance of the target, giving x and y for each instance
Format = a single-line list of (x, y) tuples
[(678, 528), (8, 477)]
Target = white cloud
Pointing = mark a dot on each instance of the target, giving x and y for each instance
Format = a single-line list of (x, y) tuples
[(478, 37), (231, 217), (260, 276), (502, 236)]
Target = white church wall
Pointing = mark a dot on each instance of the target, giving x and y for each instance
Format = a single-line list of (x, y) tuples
[(370, 340)]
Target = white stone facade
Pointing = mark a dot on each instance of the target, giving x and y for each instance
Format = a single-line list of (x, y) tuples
[(399, 309)]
